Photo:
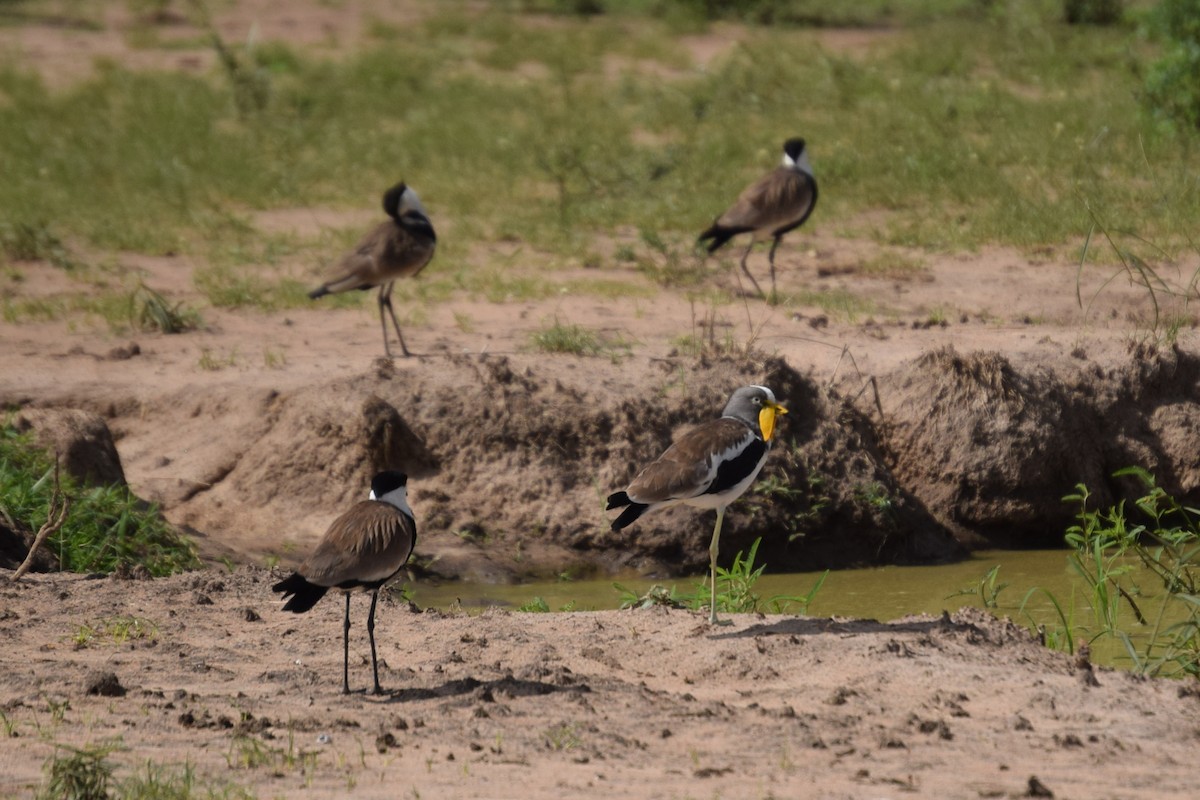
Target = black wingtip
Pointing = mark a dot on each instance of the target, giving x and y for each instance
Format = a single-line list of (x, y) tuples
[(718, 235), (629, 515), (320, 291), (300, 594)]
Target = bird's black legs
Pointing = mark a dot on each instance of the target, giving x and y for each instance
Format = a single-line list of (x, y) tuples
[(746, 270), (712, 566), (346, 649), (774, 244), (385, 301), (371, 635)]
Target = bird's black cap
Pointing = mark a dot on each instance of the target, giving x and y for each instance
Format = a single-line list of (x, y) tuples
[(794, 147), (388, 481), (391, 198)]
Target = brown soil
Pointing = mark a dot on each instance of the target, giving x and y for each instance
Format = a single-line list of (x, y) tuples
[(958, 416), (630, 704)]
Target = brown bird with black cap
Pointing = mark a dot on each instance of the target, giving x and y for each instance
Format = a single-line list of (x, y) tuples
[(363, 549), (775, 204), (710, 466), (399, 247)]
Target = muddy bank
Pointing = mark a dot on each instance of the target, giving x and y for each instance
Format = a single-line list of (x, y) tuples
[(512, 456)]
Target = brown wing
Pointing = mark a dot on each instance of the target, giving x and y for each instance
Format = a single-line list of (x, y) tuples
[(360, 268), (369, 542), (778, 199), (402, 253), (690, 464)]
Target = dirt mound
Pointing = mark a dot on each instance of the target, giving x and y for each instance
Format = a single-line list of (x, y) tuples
[(512, 461), (82, 440), (992, 450)]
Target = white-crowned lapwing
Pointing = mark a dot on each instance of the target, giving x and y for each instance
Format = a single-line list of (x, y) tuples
[(400, 247), (776, 203), (710, 466), (363, 549)]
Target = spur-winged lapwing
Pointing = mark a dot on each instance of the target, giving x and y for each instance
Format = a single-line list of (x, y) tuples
[(776, 203), (363, 549), (708, 467), (397, 248)]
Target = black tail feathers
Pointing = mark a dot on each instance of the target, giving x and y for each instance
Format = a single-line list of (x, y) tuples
[(300, 594), (719, 236), (630, 514)]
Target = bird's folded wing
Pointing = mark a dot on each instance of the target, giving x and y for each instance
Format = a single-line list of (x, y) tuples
[(691, 464)]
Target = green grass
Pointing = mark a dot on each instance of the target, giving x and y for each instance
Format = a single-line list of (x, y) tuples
[(107, 526), (87, 773), (997, 134), (576, 340)]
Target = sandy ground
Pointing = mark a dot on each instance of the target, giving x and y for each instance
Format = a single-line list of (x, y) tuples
[(640, 704), (648, 703)]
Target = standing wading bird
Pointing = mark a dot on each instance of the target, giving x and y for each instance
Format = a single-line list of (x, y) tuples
[(364, 548), (776, 203), (399, 247), (710, 466)]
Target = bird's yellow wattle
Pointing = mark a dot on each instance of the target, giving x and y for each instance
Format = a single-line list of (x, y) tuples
[(766, 422)]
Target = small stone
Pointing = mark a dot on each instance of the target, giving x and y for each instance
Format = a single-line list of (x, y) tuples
[(104, 684)]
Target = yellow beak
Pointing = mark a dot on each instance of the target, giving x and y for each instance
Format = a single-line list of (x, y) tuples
[(766, 419)]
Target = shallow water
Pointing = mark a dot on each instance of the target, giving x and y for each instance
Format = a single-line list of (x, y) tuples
[(882, 593)]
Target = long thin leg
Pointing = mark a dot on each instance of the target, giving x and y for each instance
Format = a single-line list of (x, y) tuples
[(384, 300), (346, 649), (772, 260), (712, 565), (385, 297), (371, 635), (746, 269)]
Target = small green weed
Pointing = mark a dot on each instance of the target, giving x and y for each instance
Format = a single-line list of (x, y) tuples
[(988, 589), (118, 630), (735, 588), (149, 310), (563, 736), (576, 340), (211, 362), (735, 591), (78, 773)]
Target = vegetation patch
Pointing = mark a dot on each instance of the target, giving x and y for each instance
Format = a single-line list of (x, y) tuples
[(106, 528)]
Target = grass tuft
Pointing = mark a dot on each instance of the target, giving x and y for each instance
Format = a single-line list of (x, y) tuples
[(107, 528)]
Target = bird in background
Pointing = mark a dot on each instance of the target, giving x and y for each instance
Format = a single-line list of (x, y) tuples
[(399, 247), (363, 549), (710, 466), (775, 204)]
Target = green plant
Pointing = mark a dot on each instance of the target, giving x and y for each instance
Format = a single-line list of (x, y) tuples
[(537, 605), (563, 736), (106, 527), (575, 340), (78, 773), (654, 596), (1093, 12), (735, 588), (1173, 82), (988, 589), (149, 310), (1167, 544), (118, 630)]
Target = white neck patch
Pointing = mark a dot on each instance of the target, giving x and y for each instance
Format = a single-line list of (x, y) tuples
[(398, 497)]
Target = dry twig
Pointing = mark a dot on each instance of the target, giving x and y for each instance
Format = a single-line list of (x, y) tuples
[(56, 515)]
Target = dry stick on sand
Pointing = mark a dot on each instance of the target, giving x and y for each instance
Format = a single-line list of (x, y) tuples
[(56, 515)]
